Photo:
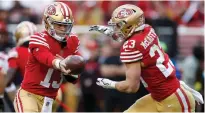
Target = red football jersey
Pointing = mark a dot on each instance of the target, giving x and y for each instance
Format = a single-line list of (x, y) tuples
[(18, 58), (40, 77), (158, 74)]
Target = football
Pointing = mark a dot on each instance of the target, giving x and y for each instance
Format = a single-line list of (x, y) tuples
[(75, 63)]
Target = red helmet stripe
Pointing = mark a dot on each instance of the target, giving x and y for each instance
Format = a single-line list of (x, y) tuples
[(65, 10), (69, 11)]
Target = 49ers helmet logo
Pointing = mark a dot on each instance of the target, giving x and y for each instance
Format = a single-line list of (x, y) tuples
[(51, 10), (124, 13)]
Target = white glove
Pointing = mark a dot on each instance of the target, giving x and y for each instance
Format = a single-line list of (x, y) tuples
[(102, 29), (60, 65), (197, 96), (106, 83)]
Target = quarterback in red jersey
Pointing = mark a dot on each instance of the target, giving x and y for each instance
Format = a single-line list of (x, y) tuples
[(43, 72), (146, 61)]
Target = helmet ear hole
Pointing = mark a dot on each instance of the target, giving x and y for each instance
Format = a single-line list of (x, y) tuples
[(129, 27)]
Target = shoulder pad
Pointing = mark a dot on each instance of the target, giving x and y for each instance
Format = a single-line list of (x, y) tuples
[(13, 53), (39, 39)]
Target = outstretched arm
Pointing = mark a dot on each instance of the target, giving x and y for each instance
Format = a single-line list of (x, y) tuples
[(102, 29), (130, 84)]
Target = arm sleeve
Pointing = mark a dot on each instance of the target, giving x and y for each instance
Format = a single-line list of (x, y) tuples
[(71, 79), (74, 42), (130, 53), (12, 63), (12, 58), (43, 55)]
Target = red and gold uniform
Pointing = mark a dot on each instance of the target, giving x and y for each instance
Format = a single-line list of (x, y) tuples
[(158, 75), (44, 68), (40, 78)]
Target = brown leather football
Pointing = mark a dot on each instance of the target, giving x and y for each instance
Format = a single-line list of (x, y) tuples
[(75, 63)]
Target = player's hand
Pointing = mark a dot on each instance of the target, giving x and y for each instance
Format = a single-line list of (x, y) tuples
[(58, 56), (102, 29), (60, 65), (63, 69), (106, 83)]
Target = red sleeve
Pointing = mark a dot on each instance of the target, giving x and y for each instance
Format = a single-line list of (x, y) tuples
[(71, 79), (74, 43), (12, 57), (43, 55), (39, 48), (130, 52), (12, 63)]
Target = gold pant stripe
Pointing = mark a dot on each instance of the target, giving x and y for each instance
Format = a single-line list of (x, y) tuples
[(187, 100), (183, 101), (180, 101), (19, 102)]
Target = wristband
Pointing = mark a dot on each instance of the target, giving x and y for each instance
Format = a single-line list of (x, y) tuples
[(113, 84), (57, 63)]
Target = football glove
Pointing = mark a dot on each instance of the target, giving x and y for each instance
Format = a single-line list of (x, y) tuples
[(106, 83), (102, 29), (197, 96), (71, 78), (61, 65)]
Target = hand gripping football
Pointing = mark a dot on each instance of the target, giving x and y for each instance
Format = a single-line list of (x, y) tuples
[(75, 63)]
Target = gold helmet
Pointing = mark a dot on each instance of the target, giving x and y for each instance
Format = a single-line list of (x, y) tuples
[(58, 14), (23, 31), (125, 20)]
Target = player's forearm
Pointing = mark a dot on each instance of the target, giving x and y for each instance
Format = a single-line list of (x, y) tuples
[(132, 82), (10, 74), (44, 57), (125, 86)]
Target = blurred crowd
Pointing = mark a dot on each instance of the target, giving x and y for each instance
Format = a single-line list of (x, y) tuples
[(189, 13), (102, 53)]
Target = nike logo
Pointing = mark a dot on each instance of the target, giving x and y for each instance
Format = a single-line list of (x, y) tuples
[(169, 105), (127, 50)]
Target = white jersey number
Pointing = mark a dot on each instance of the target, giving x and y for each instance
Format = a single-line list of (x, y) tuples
[(166, 71), (46, 81)]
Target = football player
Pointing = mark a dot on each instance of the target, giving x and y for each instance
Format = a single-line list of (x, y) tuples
[(146, 61), (43, 72), (18, 56)]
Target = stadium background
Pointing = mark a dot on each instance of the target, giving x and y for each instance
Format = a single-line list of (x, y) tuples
[(179, 24)]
